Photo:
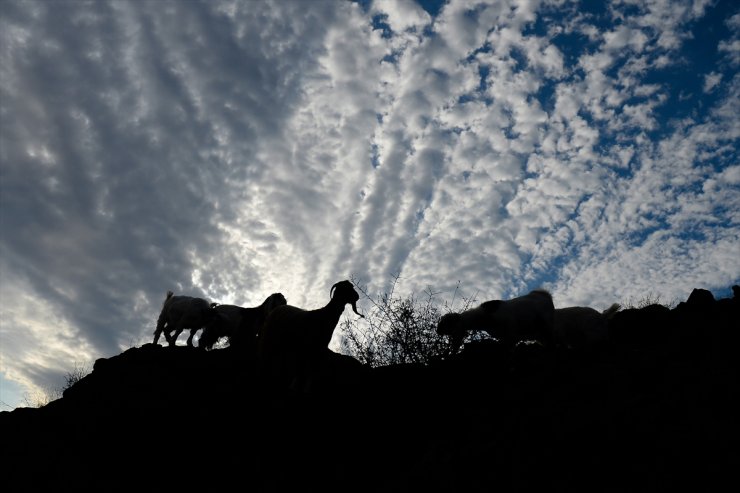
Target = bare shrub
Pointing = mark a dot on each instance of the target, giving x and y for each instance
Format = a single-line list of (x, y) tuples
[(398, 329), (41, 398), (73, 376), (648, 299)]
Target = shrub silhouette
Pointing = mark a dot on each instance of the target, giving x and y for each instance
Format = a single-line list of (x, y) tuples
[(41, 399), (398, 329)]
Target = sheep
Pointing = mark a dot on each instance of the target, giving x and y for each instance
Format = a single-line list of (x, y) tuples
[(292, 345), (183, 312), (582, 327), (528, 317), (239, 325)]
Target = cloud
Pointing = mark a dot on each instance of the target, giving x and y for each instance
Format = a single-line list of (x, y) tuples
[(731, 47), (136, 162), (231, 150), (43, 344), (625, 37), (402, 14), (711, 81)]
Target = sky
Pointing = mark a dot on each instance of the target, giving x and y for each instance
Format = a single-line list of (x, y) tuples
[(233, 149)]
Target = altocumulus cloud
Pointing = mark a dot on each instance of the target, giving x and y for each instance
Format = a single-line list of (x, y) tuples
[(233, 149)]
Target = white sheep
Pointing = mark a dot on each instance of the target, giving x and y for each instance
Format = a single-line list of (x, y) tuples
[(582, 327), (293, 343), (238, 324), (180, 313), (528, 317)]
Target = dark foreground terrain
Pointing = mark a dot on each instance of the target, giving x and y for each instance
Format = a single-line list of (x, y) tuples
[(656, 410)]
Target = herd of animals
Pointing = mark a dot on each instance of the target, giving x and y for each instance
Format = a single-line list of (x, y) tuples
[(287, 340), (531, 317)]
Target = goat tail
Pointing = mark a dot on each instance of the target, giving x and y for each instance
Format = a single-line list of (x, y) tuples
[(609, 312)]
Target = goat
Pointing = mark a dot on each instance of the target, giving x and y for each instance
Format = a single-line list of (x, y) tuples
[(528, 317), (641, 328), (582, 327), (293, 343), (239, 325), (183, 312)]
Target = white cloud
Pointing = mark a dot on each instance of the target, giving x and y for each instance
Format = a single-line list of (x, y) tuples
[(732, 48), (624, 37), (711, 81), (43, 344), (402, 14), (663, 265)]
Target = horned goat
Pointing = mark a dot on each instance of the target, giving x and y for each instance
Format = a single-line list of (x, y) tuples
[(582, 327), (238, 324), (183, 312), (293, 343), (528, 317)]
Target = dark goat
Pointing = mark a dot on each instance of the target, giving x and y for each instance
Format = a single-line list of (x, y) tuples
[(293, 343), (238, 324), (582, 327), (180, 313), (528, 317)]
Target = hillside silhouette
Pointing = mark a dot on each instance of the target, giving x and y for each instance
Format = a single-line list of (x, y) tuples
[(658, 409)]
